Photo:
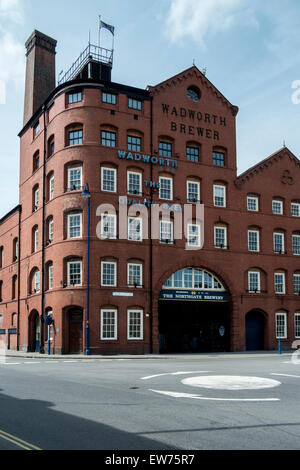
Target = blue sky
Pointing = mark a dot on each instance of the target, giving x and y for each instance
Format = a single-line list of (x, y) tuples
[(251, 49)]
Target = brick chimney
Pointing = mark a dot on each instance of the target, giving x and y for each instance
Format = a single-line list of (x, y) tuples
[(40, 72)]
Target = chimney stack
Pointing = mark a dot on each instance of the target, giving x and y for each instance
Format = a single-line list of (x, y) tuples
[(40, 72)]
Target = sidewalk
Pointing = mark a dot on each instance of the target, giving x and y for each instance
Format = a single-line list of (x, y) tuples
[(236, 355)]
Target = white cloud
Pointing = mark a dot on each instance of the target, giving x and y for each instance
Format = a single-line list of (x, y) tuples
[(12, 52), (197, 18)]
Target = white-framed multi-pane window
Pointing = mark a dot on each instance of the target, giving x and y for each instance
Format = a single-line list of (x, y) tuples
[(166, 231), (296, 244), (278, 239), (297, 325), (219, 195), (135, 274), (74, 273), (37, 282), (277, 207), (165, 188), (109, 179), (108, 226), (51, 188), (254, 281), (281, 325), (135, 324), (36, 199), (50, 276), (75, 225), (109, 324), (220, 237), (134, 183), (252, 203), (295, 209), (51, 230), (135, 229), (193, 191), (194, 235), (253, 240), (296, 282), (279, 283), (74, 179), (108, 273), (35, 240)]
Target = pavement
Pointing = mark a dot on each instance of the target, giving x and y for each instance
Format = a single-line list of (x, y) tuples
[(31, 355)]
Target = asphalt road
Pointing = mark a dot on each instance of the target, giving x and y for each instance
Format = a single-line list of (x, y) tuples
[(209, 402)]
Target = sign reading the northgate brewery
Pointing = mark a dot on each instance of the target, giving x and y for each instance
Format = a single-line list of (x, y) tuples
[(197, 295)]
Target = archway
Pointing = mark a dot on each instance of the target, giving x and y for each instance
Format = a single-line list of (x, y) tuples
[(34, 332), (194, 313), (255, 331)]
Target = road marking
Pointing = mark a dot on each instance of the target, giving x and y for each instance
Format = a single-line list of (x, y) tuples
[(230, 382), (11, 363), (17, 441), (32, 362), (287, 375), (176, 373), (199, 397)]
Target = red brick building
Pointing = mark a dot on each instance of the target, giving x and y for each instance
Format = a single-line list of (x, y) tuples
[(172, 144)]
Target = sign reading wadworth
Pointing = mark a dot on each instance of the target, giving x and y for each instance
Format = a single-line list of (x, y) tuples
[(138, 157), (197, 295), (199, 122)]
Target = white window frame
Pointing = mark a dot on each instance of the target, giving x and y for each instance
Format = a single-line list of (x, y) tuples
[(258, 241), (253, 198), (258, 282), (37, 282), (298, 237), (69, 274), (297, 326), (51, 188), (36, 199), (114, 182), (140, 221), (115, 312), (284, 315), (129, 265), (75, 214), (141, 314), (296, 205), (51, 230), (277, 201), (50, 276), (108, 235), (224, 229), (171, 188), (295, 275), (283, 283), (36, 240), (69, 178), (193, 235), (112, 263), (283, 244), (170, 224), (219, 186), (192, 200), (135, 173)]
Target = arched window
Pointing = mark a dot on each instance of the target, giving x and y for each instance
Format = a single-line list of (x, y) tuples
[(194, 278), (36, 161), (14, 287), (74, 135), (34, 281)]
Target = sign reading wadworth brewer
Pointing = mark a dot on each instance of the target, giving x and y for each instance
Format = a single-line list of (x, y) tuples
[(138, 157), (197, 295)]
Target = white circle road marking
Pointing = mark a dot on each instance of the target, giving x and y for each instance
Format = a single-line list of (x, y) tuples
[(199, 397), (176, 373), (228, 382)]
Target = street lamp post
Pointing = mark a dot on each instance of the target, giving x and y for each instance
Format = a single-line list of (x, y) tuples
[(87, 195)]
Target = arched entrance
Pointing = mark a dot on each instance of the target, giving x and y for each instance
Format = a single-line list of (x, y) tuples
[(255, 331), (194, 313), (75, 330), (34, 332)]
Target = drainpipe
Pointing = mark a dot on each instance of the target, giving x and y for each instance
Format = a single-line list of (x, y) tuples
[(151, 241), (42, 339), (19, 280)]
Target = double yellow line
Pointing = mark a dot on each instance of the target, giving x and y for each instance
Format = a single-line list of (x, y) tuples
[(17, 442)]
